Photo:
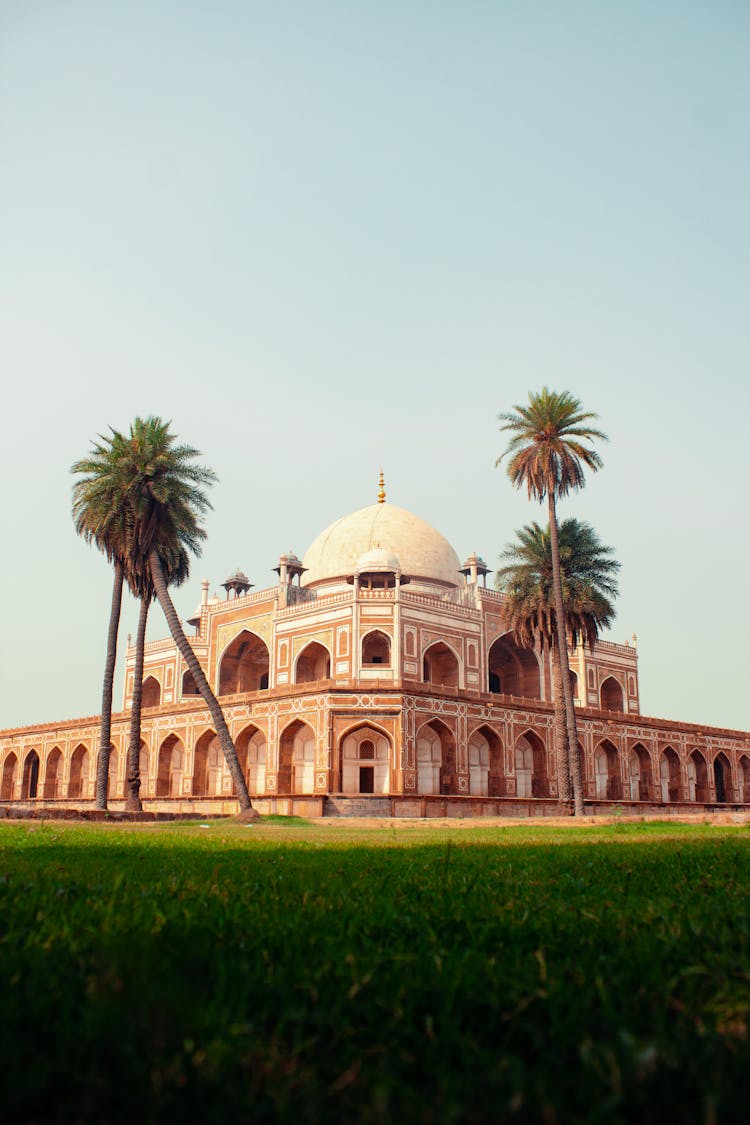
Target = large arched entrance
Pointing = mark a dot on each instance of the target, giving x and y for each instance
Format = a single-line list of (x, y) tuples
[(669, 775), (486, 753), (244, 665), (607, 772), (641, 774), (208, 764), (53, 774), (143, 770), (171, 766), (440, 666), (313, 664), (365, 761), (30, 780), (513, 670), (697, 777), (436, 759), (7, 786), (79, 773), (531, 766), (251, 751), (297, 759), (150, 692), (611, 695), (723, 779)]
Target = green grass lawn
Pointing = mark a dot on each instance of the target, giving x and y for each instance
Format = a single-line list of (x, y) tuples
[(294, 972)]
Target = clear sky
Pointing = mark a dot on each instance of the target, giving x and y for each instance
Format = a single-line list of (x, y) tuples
[(322, 237)]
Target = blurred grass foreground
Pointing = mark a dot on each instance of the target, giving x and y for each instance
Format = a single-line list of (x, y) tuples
[(217, 972)]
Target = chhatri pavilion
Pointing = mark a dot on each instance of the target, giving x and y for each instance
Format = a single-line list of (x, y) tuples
[(374, 677)]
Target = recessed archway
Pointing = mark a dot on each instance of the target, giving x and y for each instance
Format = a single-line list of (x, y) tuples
[(30, 780), (607, 772), (376, 649), (189, 686), (641, 773), (208, 763), (440, 666), (697, 776), (296, 759), (171, 767), (723, 779), (150, 692), (313, 664), (7, 785), (743, 779), (365, 759), (244, 665), (53, 774), (669, 775), (252, 753), (531, 766), (79, 772), (436, 758), (113, 781), (513, 670), (611, 695)]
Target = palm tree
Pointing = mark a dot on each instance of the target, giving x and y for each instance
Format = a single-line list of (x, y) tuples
[(100, 519), (165, 500), (548, 449), (588, 580)]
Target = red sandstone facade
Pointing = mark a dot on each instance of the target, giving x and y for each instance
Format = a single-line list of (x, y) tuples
[(375, 677)]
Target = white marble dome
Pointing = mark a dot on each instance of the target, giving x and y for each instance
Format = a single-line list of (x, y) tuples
[(378, 560), (419, 550)]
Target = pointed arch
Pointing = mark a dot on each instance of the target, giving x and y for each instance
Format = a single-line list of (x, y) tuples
[(30, 779), (7, 785), (144, 771), (611, 695), (440, 665), (189, 686), (376, 648), (513, 670), (365, 755), (171, 765), (669, 775), (640, 772), (53, 774), (296, 758), (252, 753), (496, 786), (313, 663), (113, 781), (531, 766), (79, 772), (208, 766), (150, 692), (244, 664), (436, 758), (607, 772), (723, 779), (743, 779)]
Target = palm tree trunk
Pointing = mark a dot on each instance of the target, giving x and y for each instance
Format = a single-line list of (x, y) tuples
[(105, 734), (560, 732), (186, 650), (562, 648), (133, 795)]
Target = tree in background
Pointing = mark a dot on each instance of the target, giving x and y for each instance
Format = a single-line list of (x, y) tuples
[(549, 447), (588, 574)]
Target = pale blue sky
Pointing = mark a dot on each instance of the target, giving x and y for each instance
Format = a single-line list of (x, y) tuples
[(322, 237)]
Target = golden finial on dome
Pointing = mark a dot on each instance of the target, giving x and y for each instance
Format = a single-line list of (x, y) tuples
[(381, 488)]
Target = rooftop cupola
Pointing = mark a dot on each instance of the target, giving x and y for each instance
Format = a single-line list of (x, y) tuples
[(473, 568), (289, 568), (237, 584)]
